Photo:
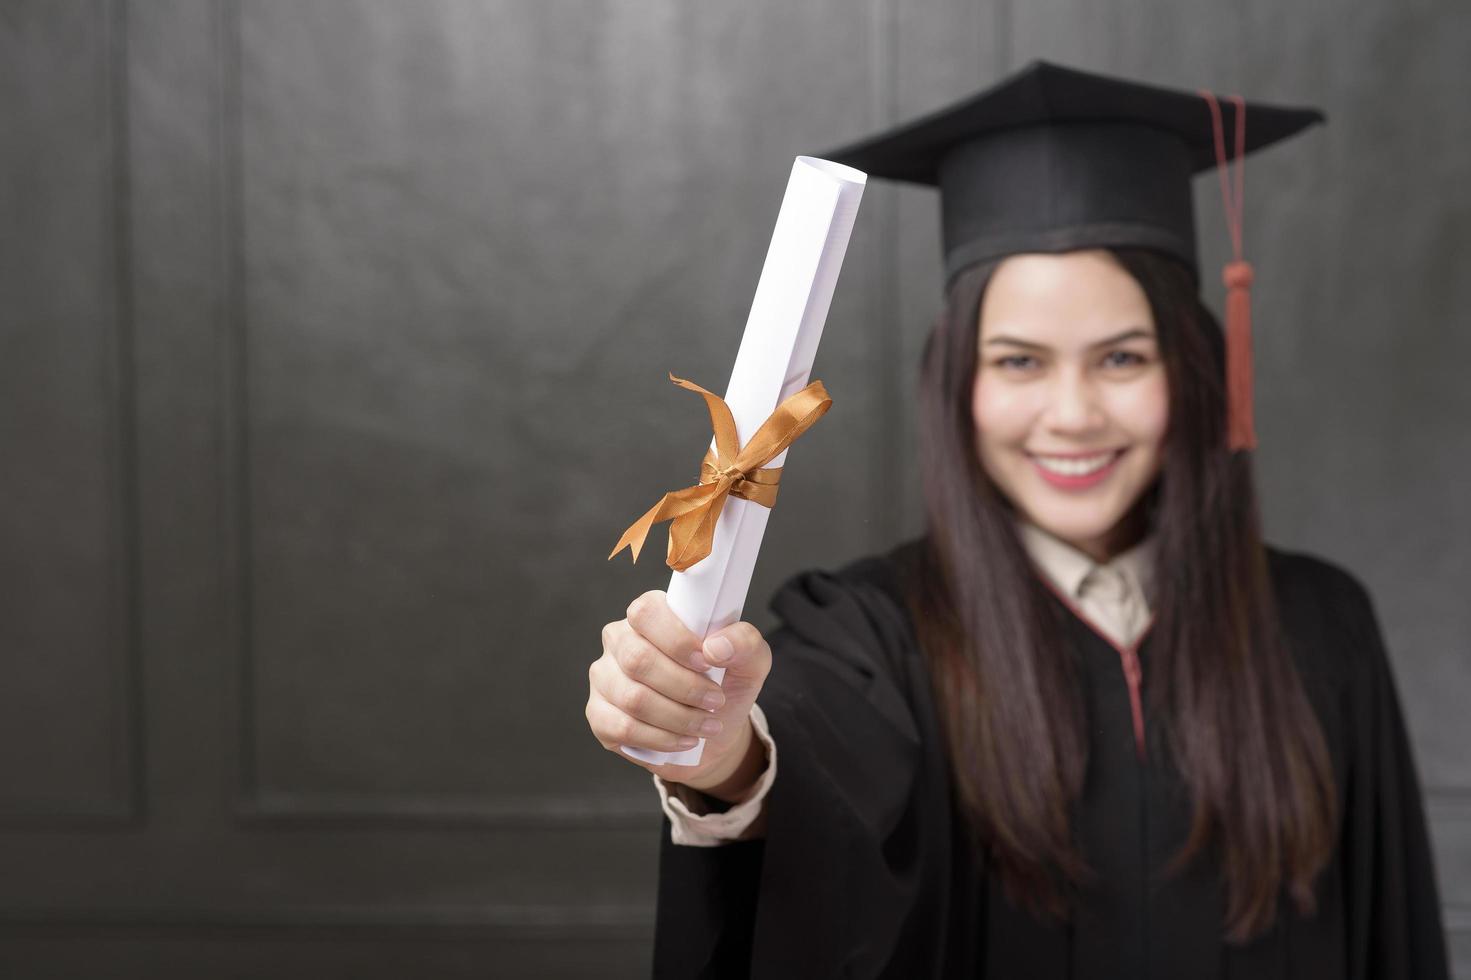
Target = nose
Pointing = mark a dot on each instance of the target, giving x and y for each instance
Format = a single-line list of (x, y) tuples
[(1074, 404)]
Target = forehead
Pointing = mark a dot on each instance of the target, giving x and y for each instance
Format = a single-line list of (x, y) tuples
[(1059, 297)]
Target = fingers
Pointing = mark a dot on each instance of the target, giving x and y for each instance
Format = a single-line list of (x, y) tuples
[(642, 700), (637, 659), (742, 651), (651, 618), (614, 727), (649, 689)]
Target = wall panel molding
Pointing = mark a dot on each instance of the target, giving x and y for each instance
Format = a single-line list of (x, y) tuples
[(122, 802), (251, 803), (553, 922)]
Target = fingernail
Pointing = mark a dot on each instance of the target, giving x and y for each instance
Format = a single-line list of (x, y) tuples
[(718, 649), (710, 726), (688, 742), (713, 700), (698, 662)]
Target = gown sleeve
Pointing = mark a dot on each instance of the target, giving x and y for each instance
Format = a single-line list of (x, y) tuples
[(783, 905), (1394, 916), (701, 828)]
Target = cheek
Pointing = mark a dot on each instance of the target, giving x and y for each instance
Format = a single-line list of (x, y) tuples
[(1143, 410), (1001, 413)]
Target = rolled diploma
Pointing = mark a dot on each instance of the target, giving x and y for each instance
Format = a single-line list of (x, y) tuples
[(774, 360)]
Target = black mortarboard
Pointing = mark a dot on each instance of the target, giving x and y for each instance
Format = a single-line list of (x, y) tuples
[(1052, 159)]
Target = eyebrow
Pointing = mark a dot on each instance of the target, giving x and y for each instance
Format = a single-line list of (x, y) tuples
[(1136, 332)]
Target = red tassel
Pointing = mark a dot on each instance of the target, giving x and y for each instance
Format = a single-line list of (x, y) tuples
[(1240, 424), (1240, 417)]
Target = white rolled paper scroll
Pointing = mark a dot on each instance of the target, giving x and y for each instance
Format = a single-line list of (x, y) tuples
[(774, 361)]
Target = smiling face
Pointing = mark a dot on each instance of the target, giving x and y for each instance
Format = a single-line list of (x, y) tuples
[(1070, 401)]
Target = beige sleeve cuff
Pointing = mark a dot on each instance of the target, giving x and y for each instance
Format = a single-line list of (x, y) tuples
[(692, 826)]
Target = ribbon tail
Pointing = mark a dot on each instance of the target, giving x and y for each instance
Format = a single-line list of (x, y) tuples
[(638, 531), (727, 440), (692, 535), (673, 505)]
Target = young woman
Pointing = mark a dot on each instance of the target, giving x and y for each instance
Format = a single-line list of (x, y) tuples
[(1089, 725)]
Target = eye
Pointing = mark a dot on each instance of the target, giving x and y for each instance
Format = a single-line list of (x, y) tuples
[(1016, 362), (1123, 358)]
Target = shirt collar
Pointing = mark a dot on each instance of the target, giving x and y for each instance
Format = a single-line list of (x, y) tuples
[(1068, 567)]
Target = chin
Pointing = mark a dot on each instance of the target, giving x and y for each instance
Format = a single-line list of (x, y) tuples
[(1082, 523), (1077, 532)]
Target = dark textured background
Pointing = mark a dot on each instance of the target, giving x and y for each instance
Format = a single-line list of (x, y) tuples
[(333, 343)]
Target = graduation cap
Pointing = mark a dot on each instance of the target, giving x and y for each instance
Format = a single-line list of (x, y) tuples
[(1052, 159)]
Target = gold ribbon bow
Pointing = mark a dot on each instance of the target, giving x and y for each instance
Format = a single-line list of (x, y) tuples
[(728, 469)]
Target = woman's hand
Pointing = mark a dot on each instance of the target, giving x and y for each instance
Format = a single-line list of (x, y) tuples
[(649, 690)]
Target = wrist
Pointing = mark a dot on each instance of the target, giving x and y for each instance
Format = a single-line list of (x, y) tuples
[(734, 782)]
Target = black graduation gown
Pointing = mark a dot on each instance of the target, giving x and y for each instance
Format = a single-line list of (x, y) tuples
[(863, 870)]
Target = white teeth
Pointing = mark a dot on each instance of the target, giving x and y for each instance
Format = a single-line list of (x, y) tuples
[(1075, 466)]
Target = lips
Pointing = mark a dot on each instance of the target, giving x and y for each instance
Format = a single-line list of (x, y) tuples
[(1075, 471)]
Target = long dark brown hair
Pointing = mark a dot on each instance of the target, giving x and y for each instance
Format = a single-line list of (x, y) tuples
[(1224, 694)]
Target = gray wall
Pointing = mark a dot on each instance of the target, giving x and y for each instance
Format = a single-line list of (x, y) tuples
[(332, 355)]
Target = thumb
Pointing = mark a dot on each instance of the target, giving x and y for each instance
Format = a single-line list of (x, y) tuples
[(742, 651)]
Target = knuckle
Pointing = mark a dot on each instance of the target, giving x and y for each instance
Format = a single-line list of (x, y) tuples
[(745, 636), (610, 635), (764, 669), (635, 699), (640, 610), (623, 729), (637, 662), (599, 672), (598, 727)]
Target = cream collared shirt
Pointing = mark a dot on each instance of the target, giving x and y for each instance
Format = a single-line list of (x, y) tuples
[(1116, 597)]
